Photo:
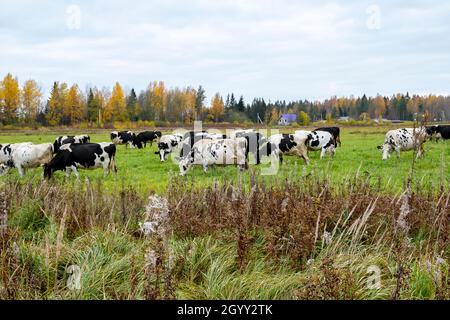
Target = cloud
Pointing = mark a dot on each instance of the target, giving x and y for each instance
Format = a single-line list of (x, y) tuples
[(277, 49)]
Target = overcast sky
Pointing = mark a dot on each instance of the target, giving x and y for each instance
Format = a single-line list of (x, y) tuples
[(276, 49)]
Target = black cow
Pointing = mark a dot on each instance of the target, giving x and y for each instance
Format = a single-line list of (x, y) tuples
[(335, 132), (439, 132), (68, 140), (148, 136), (87, 156), (127, 138)]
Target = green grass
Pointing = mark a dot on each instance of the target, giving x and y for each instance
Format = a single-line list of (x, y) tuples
[(143, 170)]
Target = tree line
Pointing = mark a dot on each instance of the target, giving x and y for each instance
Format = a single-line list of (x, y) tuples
[(69, 105)]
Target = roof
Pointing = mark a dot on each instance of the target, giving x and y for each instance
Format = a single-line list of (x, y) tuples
[(289, 117)]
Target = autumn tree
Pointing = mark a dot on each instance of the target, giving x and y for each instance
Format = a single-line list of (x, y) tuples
[(217, 107), (115, 109), (10, 99), (55, 104), (31, 100), (377, 106), (74, 107), (303, 118)]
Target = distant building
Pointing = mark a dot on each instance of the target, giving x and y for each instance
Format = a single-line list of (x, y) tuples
[(287, 119)]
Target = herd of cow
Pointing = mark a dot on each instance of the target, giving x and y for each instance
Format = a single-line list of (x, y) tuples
[(69, 153)]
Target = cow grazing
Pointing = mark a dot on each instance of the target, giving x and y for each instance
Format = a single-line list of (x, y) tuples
[(27, 156), (280, 144), (87, 156), (440, 132), (335, 132), (323, 141), (62, 140), (168, 144), (404, 140), (148, 136), (192, 137), (7, 149), (219, 152), (126, 138), (3, 169)]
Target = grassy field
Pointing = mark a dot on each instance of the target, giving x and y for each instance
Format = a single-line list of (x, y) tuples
[(321, 231), (143, 170)]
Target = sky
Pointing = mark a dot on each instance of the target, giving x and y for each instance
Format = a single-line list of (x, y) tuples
[(274, 49)]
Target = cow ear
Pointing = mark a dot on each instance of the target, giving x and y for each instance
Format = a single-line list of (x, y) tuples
[(379, 147)]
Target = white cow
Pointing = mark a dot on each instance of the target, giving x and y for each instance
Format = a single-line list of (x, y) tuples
[(404, 140), (30, 156), (219, 152), (323, 141), (7, 149)]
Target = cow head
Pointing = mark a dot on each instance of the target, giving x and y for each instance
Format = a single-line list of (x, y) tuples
[(185, 163), (48, 171), (164, 149), (387, 150), (136, 142), (4, 169)]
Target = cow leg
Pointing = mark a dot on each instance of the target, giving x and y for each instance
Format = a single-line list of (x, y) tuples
[(21, 170), (113, 165), (397, 150), (322, 153), (68, 171), (75, 171), (333, 151), (205, 167), (281, 158)]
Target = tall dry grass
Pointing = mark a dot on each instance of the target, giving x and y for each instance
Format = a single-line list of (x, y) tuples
[(302, 238)]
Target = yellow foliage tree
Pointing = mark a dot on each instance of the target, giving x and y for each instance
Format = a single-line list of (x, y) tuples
[(31, 100), (10, 98), (74, 107), (159, 100), (379, 106), (55, 104), (217, 107), (190, 96), (115, 109)]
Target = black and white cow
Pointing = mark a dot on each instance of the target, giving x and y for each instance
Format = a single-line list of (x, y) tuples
[(169, 143), (87, 156), (70, 139), (440, 132), (148, 136), (280, 144), (7, 149), (404, 140), (335, 132), (254, 142), (190, 138), (207, 152), (126, 138), (26, 156), (323, 141)]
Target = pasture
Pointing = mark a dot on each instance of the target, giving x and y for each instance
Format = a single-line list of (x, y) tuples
[(308, 232), (142, 169)]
